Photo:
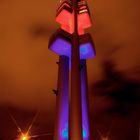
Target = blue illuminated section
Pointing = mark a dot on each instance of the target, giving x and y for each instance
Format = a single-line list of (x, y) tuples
[(84, 98), (65, 132), (60, 43), (86, 51), (84, 133), (61, 47)]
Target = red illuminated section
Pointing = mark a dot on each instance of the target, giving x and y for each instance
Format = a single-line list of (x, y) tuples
[(64, 16), (66, 19), (84, 20)]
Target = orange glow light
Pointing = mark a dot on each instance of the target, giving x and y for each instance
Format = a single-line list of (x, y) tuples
[(24, 137), (105, 138)]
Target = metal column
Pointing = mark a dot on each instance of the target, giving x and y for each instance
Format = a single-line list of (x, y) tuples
[(62, 99), (75, 128), (85, 105)]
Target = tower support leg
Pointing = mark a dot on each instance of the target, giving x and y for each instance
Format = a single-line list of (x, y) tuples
[(75, 128), (84, 98), (61, 124)]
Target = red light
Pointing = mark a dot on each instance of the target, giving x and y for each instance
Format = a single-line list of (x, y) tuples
[(65, 18), (84, 20)]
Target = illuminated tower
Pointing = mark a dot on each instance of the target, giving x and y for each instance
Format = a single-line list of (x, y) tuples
[(74, 47)]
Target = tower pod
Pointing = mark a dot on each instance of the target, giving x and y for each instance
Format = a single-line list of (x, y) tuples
[(87, 49), (84, 19), (60, 43), (65, 16)]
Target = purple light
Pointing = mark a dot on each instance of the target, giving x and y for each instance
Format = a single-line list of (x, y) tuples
[(86, 47), (61, 44), (61, 47), (62, 97), (84, 97), (86, 51)]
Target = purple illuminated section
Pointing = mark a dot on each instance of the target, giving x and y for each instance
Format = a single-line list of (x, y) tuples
[(85, 113), (62, 98), (62, 46), (86, 51)]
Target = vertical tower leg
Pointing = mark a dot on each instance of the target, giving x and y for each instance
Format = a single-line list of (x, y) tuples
[(85, 109), (75, 128), (61, 125)]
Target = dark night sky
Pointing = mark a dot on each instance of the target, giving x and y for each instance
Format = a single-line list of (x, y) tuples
[(28, 71)]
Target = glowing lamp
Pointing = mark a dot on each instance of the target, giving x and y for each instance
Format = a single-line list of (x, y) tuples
[(64, 16), (105, 138), (24, 137)]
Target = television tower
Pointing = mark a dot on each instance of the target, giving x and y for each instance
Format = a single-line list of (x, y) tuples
[(74, 47)]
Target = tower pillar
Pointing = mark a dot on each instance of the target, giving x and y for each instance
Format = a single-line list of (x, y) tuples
[(75, 128), (61, 124)]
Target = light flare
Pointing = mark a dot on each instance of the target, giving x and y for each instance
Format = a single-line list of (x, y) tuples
[(24, 137)]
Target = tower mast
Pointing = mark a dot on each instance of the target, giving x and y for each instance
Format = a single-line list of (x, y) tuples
[(75, 116), (74, 47)]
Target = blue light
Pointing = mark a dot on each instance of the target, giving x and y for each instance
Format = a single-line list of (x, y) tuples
[(86, 51), (83, 50), (84, 133), (65, 133), (61, 47)]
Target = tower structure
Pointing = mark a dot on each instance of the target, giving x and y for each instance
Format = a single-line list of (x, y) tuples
[(74, 47)]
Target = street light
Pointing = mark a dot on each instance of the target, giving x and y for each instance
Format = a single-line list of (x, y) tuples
[(24, 137)]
